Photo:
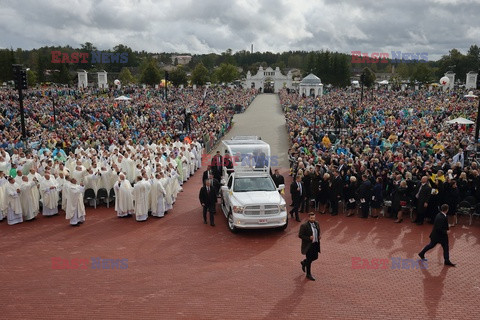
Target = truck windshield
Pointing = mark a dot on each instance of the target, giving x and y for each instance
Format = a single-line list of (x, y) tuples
[(245, 184)]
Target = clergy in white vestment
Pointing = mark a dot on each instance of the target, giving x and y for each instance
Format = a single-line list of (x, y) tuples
[(75, 208), (140, 197), (14, 206), (123, 197), (3, 201), (78, 174), (37, 178), (49, 188), (28, 199), (157, 196)]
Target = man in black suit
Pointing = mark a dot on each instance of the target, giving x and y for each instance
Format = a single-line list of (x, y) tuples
[(208, 199), (214, 183), (365, 195), (206, 173), (422, 195), (439, 235), (217, 166), (336, 192), (298, 194), (278, 178), (310, 234)]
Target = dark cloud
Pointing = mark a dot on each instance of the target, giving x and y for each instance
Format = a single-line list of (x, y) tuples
[(433, 26)]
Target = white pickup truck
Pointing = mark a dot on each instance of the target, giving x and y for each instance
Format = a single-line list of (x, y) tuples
[(250, 199)]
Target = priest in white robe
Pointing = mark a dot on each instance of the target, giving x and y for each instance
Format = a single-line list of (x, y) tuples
[(49, 189), (157, 196), (75, 210), (123, 197), (140, 197), (14, 206), (3, 198), (28, 199)]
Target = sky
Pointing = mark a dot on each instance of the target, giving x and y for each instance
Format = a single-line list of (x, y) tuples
[(213, 26)]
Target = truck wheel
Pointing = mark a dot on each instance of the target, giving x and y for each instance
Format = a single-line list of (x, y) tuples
[(284, 226), (231, 226)]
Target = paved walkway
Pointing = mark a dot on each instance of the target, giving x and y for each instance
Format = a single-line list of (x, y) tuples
[(264, 118), (179, 268)]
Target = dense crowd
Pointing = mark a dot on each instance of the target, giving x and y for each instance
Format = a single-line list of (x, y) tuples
[(394, 150), (138, 152)]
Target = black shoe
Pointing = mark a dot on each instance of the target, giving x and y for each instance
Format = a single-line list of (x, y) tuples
[(310, 277), (450, 264), (419, 223), (297, 219), (334, 214), (303, 265), (212, 224), (205, 222), (414, 221), (422, 256)]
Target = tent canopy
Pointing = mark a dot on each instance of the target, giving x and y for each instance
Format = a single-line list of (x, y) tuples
[(460, 121), (123, 98)]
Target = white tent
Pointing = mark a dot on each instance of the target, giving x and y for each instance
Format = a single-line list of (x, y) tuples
[(122, 98), (383, 82), (460, 121)]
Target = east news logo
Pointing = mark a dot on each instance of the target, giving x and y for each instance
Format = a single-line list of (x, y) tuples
[(96, 263)]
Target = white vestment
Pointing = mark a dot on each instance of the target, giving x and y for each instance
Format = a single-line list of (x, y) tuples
[(140, 196), (27, 199), (75, 208), (123, 198), (157, 196), (14, 206), (49, 190)]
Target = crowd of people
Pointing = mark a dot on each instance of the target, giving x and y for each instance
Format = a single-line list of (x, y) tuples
[(394, 152), (138, 152)]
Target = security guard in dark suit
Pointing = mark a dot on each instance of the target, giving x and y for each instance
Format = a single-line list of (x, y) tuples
[(310, 234), (439, 235)]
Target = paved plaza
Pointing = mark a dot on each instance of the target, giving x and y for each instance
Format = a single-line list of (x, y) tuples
[(179, 268)]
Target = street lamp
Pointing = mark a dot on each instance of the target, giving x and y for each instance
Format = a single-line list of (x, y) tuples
[(477, 123), (315, 106), (52, 96)]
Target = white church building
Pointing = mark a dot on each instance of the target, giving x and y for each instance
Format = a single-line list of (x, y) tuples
[(269, 80)]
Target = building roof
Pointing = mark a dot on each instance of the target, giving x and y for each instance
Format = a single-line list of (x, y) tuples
[(311, 79)]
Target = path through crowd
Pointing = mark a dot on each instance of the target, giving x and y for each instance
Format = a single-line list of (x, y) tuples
[(264, 118)]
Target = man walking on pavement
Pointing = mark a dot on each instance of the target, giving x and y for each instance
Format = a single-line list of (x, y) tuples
[(310, 234), (439, 235), (208, 199)]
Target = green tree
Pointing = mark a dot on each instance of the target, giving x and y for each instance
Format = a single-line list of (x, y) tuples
[(31, 78), (7, 58), (150, 74), (369, 78), (423, 73), (178, 76), (125, 76), (200, 74), (226, 73)]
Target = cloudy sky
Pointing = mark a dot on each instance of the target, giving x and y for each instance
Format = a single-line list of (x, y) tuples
[(204, 26)]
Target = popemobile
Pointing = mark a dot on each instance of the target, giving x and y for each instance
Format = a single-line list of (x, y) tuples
[(249, 198)]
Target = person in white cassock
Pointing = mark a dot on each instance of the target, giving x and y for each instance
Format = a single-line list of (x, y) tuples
[(27, 199), (123, 197), (14, 206), (140, 196), (75, 210), (3, 201), (157, 196), (49, 189)]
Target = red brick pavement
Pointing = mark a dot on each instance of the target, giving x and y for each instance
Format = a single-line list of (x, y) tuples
[(179, 268)]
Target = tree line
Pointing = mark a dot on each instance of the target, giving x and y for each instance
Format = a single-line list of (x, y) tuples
[(143, 67)]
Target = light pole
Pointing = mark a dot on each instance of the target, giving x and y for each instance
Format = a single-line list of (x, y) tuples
[(315, 106), (477, 123), (54, 112)]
